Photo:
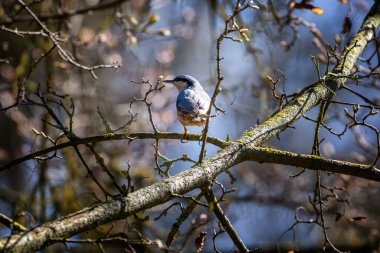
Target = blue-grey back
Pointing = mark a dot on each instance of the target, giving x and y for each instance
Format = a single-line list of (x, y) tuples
[(193, 100)]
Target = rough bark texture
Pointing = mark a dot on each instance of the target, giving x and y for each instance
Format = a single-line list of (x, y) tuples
[(204, 173), (313, 162)]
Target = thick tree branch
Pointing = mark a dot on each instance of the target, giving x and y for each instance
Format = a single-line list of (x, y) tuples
[(204, 173), (312, 162)]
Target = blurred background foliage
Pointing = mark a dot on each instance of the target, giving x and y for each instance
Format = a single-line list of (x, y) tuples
[(166, 38)]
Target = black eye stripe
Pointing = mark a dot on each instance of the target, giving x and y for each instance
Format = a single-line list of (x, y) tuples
[(183, 80), (180, 80), (190, 81)]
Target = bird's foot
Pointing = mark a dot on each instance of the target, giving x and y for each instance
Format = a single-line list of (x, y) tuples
[(185, 135)]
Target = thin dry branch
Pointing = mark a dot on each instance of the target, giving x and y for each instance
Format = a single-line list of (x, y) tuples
[(68, 13), (111, 137), (65, 55), (223, 219)]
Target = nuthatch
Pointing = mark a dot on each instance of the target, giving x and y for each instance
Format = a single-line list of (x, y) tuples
[(192, 101)]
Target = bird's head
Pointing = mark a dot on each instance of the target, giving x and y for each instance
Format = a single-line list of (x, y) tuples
[(183, 81)]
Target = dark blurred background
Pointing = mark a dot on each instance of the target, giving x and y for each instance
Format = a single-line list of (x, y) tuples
[(167, 38)]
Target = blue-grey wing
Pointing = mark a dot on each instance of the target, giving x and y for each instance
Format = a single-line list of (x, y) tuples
[(186, 104), (193, 102)]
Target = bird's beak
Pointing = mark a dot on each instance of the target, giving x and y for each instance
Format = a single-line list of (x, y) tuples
[(168, 81)]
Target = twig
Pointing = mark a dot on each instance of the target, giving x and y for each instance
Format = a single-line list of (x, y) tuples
[(228, 22), (62, 52), (207, 192), (66, 14)]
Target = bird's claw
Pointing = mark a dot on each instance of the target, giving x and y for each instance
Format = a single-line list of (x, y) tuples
[(185, 135)]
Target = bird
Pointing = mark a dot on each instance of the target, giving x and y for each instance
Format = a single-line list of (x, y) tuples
[(192, 102)]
